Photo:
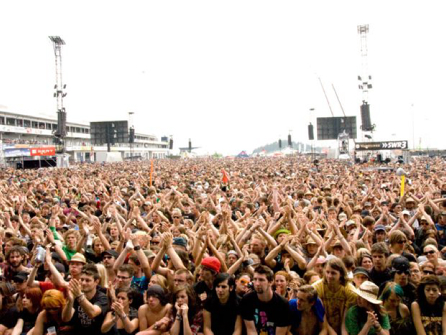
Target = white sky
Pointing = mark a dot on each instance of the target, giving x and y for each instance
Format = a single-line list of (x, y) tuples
[(230, 75)]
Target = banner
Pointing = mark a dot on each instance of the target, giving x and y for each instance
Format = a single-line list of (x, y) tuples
[(19, 152), (387, 145), (49, 151)]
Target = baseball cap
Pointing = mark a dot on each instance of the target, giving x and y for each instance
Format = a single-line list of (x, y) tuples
[(20, 277), (211, 263), (401, 263), (379, 227), (111, 252), (180, 241), (406, 212), (361, 270)]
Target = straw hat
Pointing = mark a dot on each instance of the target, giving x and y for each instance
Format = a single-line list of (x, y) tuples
[(369, 291), (77, 257)]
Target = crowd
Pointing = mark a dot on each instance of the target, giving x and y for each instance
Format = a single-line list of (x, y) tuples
[(217, 246)]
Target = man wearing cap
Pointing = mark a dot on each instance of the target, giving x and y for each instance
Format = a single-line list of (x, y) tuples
[(360, 275), (210, 268), (263, 310), (380, 234), (108, 259), (75, 266), (400, 275)]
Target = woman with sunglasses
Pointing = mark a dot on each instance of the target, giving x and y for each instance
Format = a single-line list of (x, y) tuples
[(49, 319), (429, 310), (432, 254)]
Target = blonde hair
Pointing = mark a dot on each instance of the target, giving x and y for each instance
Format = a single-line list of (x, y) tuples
[(103, 275)]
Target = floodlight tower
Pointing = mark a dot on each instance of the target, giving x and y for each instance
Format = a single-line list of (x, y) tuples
[(59, 94), (365, 80)]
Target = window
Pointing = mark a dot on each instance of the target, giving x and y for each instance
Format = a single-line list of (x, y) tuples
[(10, 121), (35, 124), (2, 120), (26, 123), (48, 126), (87, 131), (54, 126), (19, 123), (41, 125)]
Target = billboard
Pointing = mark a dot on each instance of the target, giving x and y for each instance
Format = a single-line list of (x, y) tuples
[(328, 128), (109, 132), (47, 151), (387, 145)]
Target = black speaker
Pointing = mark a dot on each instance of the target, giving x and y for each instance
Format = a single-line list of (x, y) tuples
[(289, 141), (280, 143), (132, 135), (366, 123), (171, 144), (61, 130), (379, 158), (190, 146), (310, 132)]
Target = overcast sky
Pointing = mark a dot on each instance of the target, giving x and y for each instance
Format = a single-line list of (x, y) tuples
[(230, 75)]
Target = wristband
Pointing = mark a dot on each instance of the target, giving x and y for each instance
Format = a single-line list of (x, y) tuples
[(80, 296), (124, 316), (137, 247)]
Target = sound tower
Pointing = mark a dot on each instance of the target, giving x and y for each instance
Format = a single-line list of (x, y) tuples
[(310, 132), (132, 135), (289, 141), (280, 143), (366, 124)]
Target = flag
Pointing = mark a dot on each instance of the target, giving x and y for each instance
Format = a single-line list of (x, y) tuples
[(225, 178)]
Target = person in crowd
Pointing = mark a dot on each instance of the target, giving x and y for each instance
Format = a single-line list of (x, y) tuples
[(336, 293), (221, 313), (429, 310), (368, 313), (49, 319), (307, 312), (263, 310), (187, 312), (123, 318), (86, 305), (156, 308), (28, 315), (399, 313)]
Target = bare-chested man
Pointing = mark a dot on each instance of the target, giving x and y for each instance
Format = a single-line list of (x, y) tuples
[(155, 308), (306, 307)]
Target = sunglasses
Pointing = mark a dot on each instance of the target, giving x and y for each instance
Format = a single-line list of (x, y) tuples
[(427, 272), (430, 252), (244, 281), (400, 272), (401, 242)]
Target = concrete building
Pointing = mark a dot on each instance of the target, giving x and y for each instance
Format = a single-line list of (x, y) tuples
[(28, 141)]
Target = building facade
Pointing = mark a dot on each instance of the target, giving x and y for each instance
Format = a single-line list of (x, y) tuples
[(29, 140)]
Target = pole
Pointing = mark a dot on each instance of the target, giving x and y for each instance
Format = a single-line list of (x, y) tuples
[(151, 171)]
